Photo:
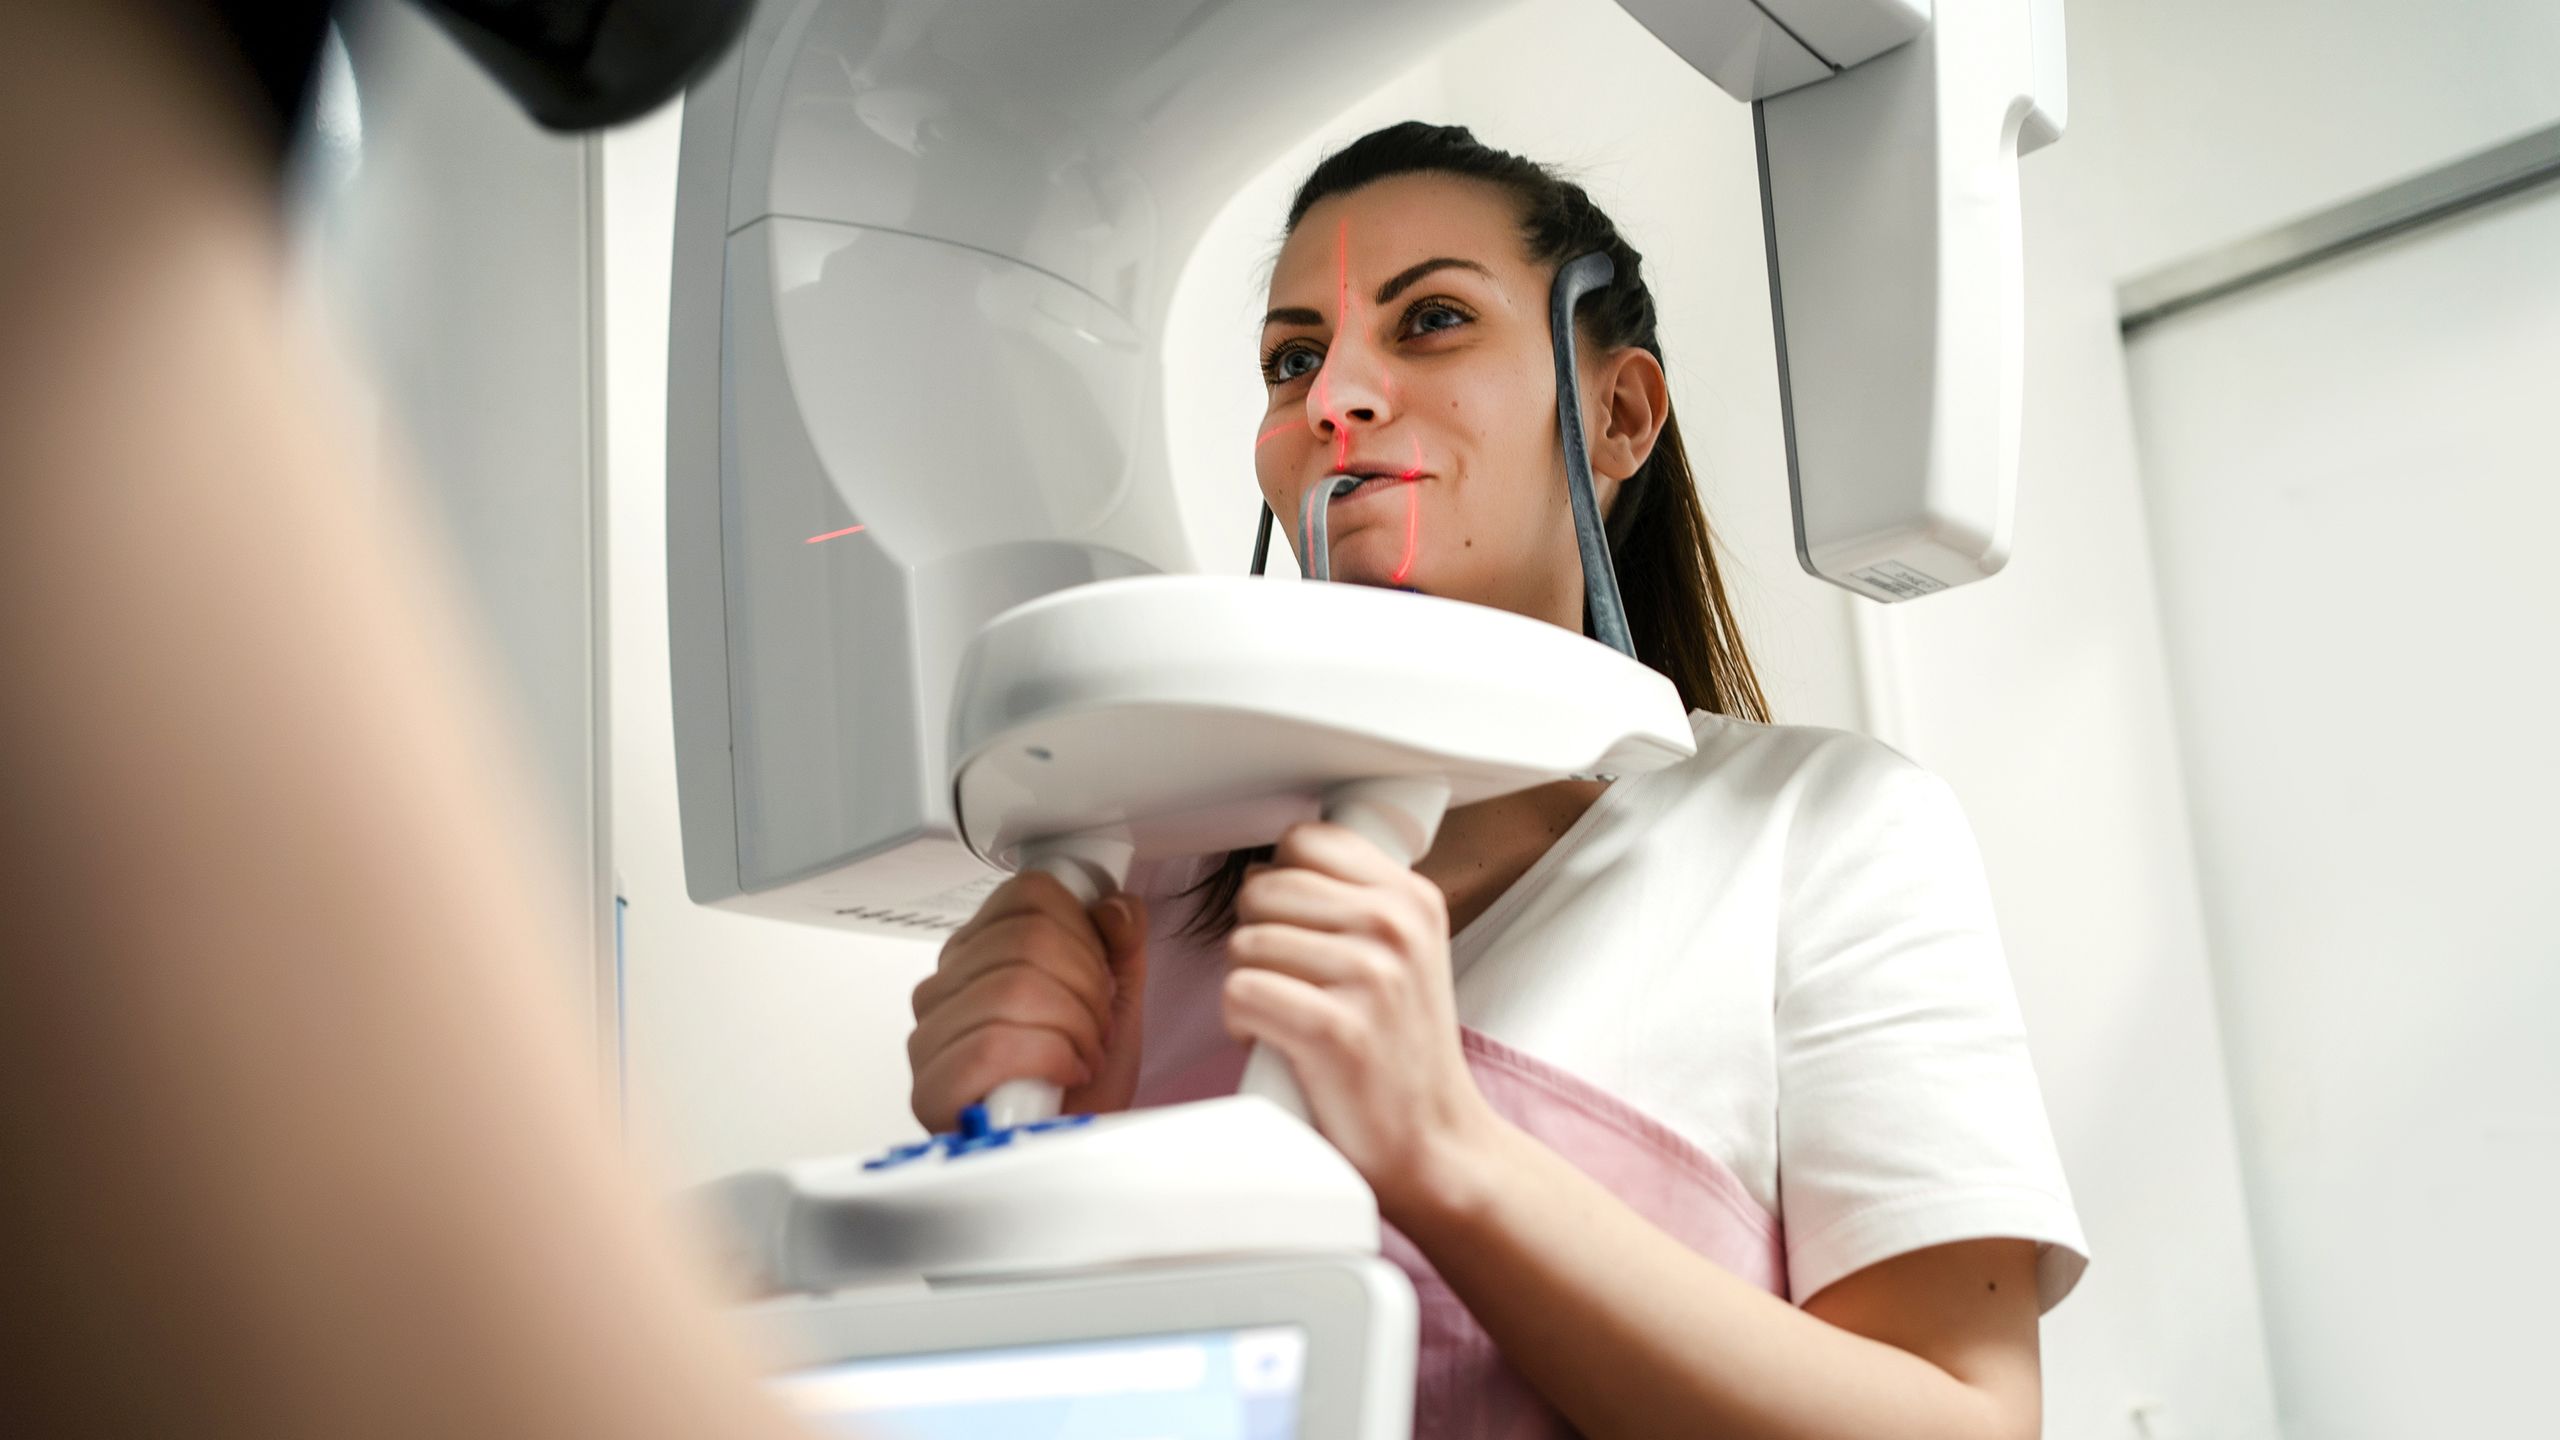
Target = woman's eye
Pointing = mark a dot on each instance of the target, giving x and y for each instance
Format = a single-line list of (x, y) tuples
[(1421, 314), (1282, 367)]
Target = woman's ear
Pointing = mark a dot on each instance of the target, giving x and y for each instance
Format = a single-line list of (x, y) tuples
[(1634, 400)]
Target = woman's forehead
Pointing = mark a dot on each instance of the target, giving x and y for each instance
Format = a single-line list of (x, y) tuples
[(1367, 234)]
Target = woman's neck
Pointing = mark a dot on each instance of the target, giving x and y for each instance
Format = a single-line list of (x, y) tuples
[(1483, 848)]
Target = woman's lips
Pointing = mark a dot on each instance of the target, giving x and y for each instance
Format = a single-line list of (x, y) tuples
[(1375, 485)]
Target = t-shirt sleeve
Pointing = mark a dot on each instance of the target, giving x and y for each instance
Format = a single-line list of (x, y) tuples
[(1908, 1109)]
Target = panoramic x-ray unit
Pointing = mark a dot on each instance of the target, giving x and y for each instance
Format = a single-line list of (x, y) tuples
[(935, 619)]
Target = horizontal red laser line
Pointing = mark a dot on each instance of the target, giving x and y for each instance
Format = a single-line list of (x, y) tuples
[(830, 535)]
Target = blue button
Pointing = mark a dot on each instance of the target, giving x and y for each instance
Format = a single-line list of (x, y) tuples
[(899, 1156), (974, 1122)]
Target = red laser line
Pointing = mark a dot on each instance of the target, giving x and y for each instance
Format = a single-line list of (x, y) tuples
[(1412, 530), (830, 535), (1341, 327), (1267, 436), (1412, 513)]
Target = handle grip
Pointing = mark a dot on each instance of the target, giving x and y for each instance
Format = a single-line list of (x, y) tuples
[(1399, 816), (1090, 868)]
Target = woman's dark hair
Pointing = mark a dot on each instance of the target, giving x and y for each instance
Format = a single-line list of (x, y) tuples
[(1657, 531)]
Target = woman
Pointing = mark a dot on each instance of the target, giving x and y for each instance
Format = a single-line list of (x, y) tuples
[(1697, 1102)]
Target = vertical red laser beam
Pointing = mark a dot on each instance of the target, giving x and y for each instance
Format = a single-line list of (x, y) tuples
[(1341, 326), (1324, 382), (1412, 513), (1412, 531)]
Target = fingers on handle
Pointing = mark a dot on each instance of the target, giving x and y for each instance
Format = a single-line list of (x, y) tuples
[(1315, 956), (1032, 891), (1123, 921), (964, 1071), (1018, 993), (1081, 965), (1318, 1031)]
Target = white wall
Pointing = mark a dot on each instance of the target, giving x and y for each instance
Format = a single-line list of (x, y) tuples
[(2346, 475), (2352, 484), (2213, 119)]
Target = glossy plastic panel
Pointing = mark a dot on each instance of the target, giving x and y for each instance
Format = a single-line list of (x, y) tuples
[(1737, 46), (969, 415), (1890, 197), (1850, 32), (924, 253), (1357, 1312)]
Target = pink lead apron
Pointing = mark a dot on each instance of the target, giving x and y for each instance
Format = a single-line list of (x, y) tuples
[(1463, 1388)]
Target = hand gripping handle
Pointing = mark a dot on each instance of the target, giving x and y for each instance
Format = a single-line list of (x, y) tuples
[(1090, 868), (1400, 816)]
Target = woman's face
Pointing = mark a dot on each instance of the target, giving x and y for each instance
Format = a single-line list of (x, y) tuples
[(1407, 339)]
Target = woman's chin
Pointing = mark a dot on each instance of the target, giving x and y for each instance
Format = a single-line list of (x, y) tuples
[(1351, 572), (1384, 567)]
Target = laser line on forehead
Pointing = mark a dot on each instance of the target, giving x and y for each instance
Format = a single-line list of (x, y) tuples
[(1342, 325), (1348, 318)]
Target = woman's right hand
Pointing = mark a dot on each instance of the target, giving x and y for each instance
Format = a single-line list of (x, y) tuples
[(1032, 988)]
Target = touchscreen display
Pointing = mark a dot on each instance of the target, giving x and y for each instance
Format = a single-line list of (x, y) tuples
[(1224, 1385)]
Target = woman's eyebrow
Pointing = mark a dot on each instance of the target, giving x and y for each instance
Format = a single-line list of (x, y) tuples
[(1411, 273), (1301, 315)]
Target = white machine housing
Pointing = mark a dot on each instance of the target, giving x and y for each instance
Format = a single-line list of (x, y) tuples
[(1167, 716), (924, 255), (1357, 1318), (1223, 1177)]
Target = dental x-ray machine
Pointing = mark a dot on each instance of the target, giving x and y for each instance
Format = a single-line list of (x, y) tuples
[(935, 619)]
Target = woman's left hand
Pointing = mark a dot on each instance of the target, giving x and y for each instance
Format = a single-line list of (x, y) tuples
[(1341, 963)]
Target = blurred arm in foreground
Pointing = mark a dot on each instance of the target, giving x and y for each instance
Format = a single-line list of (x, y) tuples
[(295, 1136)]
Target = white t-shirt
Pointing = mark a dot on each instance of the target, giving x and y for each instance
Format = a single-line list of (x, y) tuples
[(1784, 950)]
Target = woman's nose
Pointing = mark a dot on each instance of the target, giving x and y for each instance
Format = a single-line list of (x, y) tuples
[(1353, 387)]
